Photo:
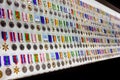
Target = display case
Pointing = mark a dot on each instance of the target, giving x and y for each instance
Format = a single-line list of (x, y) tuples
[(40, 36)]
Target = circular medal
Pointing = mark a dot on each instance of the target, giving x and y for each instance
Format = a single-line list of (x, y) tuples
[(35, 9), (8, 71), (37, 67), (58, 64), (35, 47), (51, 46), (80, 59), (66, 62), (19, 25), (38, 27), (43, 28), (23, 6), (67, 45), (41, 46), (32, 27), (57, 29), (41, 10), (1, 74), (31, 68), (70, 62), (56, 46), (83, 59), (71, 45), (21, 47), (3, 23), (46, 46), (48, 28), (26, 26), (53, 64), (60, 46), (62, 63), (14, 47), (24, 69), (11, 24), (49, 65), (50, 12), (73, 60), (16, 4), (28, 46), (64, 2), (77, 60), (43, 66), (29, 7)]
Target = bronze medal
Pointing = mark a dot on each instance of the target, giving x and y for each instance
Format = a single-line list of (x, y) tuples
[(66, 62), (31, 68), (37, 67), (49, 65), (32, 27), (24, 69), (38, 27), (62, 62), (80, 59), (73, 60), (48, 28), (70, 62), (1, 74), (51, 46), (35, 9), (29, 7), (53, 64), (40, 46), (43, 66), (60, 46), (58, 64), (8, 71), (46, 47), (77, 60), (56, 46)]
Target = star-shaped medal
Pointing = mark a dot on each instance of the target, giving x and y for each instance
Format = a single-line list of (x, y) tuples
[(16, 70), (5, 47)]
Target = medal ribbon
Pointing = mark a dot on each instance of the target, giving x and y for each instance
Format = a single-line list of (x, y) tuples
[(12, 37), (23, 59), (36, 58), (15, 59), (10, 14), (29, 58), (6, 60), (20, 37), (4, 35)]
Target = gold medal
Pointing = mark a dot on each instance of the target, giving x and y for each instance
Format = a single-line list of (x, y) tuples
[(16, 70), (5, 47)]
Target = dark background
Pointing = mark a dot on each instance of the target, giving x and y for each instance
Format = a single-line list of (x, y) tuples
[(113, 4), (108, 69)]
